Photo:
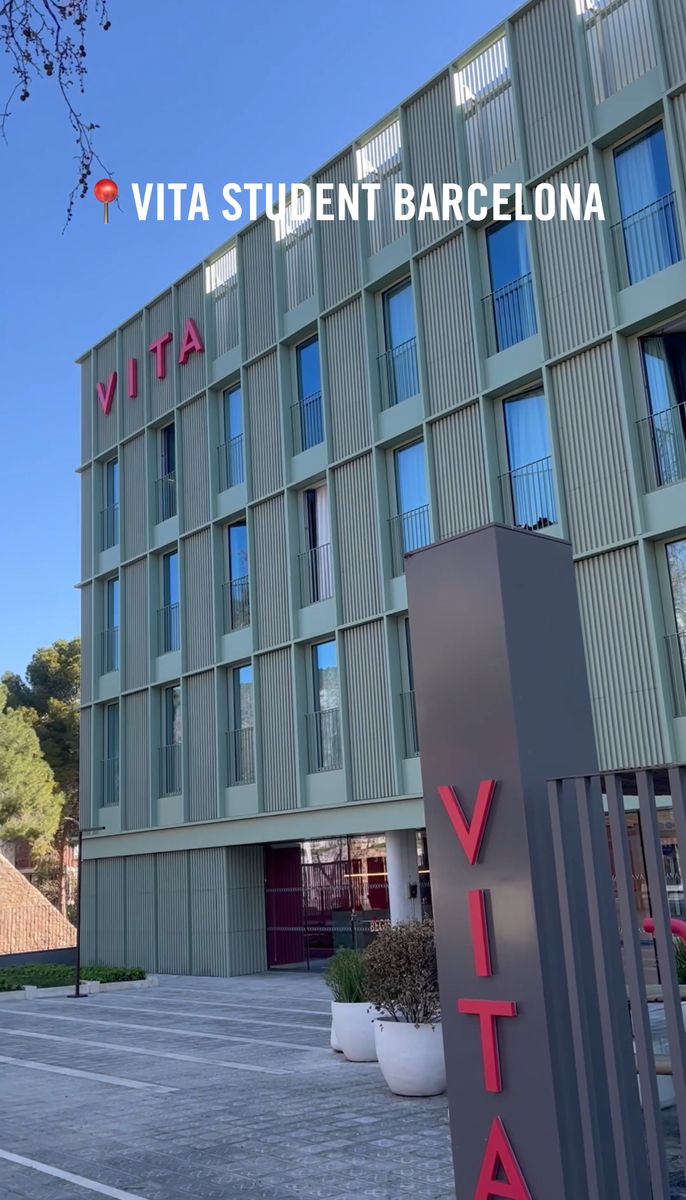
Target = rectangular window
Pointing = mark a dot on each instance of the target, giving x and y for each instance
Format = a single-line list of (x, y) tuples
[(316, 576), (410, 528), (647, 237), (399, 374), (172, 715), (237, 589), (110, 514), (509, 310), (110, 636), (170, 751), (231, 452), (410, 733), (676, 642), (324, 738), (240, 750), (110, 788), (166, 482), (527, 487), (663, 432), (169, 613), (308, 427)]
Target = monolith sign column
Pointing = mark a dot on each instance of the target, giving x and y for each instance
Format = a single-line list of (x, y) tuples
[(503, 704)]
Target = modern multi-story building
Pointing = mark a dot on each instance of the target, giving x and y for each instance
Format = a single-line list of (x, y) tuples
[(321, 397)]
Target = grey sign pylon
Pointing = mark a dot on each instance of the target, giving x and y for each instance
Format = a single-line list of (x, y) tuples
[(502, 694)]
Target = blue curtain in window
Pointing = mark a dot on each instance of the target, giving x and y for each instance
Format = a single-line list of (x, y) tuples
[(512, 297), (528, 450), (649, 224)]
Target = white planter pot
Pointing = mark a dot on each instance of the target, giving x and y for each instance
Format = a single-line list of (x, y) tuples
[(411, 1057), (353, 1026), (335, 1045)]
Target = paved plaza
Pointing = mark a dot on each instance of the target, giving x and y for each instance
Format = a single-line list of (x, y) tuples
[(209, 1088)]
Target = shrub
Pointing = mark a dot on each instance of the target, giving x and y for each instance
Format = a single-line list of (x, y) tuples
[(402, 976), (680, 955), (45, 975), (345, 975)]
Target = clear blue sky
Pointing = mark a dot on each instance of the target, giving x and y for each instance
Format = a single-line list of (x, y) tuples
[(208, 91)]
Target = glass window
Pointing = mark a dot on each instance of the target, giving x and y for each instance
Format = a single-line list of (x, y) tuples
[(112, 482), (325, 676), (243, 698), (172, 715), (170, 578), (233, 414), (308, 428), (646, 203), (112, 731), (167, 450), (399, 374), (511, 315), (112, 604), (528, 495), (316, 514), (664, 433), (238, 551), (309, 379), (676, 560), (410, 478), (398, 315)]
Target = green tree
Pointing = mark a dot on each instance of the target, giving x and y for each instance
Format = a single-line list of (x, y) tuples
[(30, 803), (49, 699)]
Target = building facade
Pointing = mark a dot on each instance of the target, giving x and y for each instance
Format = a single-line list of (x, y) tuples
[(315, 400)]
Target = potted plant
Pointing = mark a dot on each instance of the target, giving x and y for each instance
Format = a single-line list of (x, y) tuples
[(402, 981), (351, 1014)]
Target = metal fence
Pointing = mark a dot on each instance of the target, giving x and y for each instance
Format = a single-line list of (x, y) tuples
[(241, 756), (409, 531), (399, 373), (616, 841), (28, 927), (165, 496), (170, 769), (307, 424), (509, 315), (647, 241), (109, 646), (662, 438), (324, 740), (109, 518), (316, 575), (168, 628), (528, 495), (236, 604), (231, 463)]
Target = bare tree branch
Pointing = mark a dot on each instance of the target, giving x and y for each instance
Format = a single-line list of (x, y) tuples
[(47, 40)]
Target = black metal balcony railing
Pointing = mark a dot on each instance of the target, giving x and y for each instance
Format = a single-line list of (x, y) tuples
[(110, 650), (676, 658), (170, 769), (410, 733), (241, 756), (647, 241), (409, 531), (528, 495), (231, 463), (510, 315), (110, 781), (236, 604), (165, 494), (110, 526), (308, 426), (316, 575), (168, 628), (324, 741), (662, 438), (399, 374)]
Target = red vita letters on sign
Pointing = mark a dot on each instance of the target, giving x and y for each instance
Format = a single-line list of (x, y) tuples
[(106, 393)]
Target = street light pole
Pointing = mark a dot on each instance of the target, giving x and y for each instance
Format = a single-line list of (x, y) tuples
[(77, 990)]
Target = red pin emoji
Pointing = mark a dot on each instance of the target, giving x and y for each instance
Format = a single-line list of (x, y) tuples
[(106, 190)]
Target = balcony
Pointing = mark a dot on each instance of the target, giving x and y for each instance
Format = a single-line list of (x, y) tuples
[(307, 424), (662, 438), (409, 531), (110, 781), (528, 495), (509, 315), (165, 497), (109, 639), (647, 241), (109, 518), (168, 629), (410, 733), (231, 463), (324, 741), (236, 604), (241, 756), (399, 374), (676, 659), (170, 769), (316, 575)]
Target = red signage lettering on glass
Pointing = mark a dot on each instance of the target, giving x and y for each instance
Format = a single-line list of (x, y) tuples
[(500, 1174)]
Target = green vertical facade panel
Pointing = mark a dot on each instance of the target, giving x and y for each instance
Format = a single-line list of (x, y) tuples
[(172, 913), (673, 20), (448, 339), (105, 364), (134, 631), (371, 744), (278, 732), (111, 912), (246, 910), (223, 286), (209, 912), (133, 409), (135, 777), (550, 89), (161, 391), (679, 110), (87, 643), (358, 539), (89, 911), (87, 386), (460, 472), (85, 760), (338, 239), (133, 510), (201, 747), (258, 283), (265, 426), (88, 512), (348, 392), (432, 153), (141, 948), (270, 572), (594, 462), (191, 307), (196, 467), (197, 599)]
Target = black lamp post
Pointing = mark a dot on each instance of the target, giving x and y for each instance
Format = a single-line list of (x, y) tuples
[(77, 990)]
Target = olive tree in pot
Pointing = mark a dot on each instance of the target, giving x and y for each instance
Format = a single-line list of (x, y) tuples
[(352, 1017), (402, 981)]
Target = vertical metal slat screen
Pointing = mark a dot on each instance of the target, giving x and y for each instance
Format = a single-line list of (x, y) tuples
[(380, 161), (484, 92)]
